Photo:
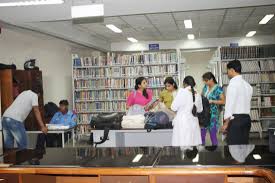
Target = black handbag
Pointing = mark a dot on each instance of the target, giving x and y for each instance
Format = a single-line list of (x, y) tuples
[(111, 121)]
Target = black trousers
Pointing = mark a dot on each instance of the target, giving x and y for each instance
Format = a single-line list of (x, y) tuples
[(238, 130)]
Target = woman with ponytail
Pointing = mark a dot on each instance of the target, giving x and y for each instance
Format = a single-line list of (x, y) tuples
[(186, 129)]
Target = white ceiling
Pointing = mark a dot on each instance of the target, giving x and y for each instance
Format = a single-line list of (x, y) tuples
[(235, 22)]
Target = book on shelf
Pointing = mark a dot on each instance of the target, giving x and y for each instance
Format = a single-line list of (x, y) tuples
[(267, 65), (254, 114)]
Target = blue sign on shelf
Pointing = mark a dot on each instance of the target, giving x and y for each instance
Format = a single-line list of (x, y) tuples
[(234, 45), (153, 46)]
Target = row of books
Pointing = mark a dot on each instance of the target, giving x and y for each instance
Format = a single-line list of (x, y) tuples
[(255, 102), (116, 83), (91, 72), (267, 65), (268, 112), (125, 71), (244, 52), (256, 127), (267, 101), (143, 58), (254, 114), (86, 96), (101, 95), (267, 88), (268, 77), (89, 61), (84, 129), (250, 78), (100, 106)]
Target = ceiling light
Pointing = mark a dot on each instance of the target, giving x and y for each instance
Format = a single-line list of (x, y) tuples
[(190, 36), (114, 28), (137, 158), (93, 10), (266, 19), (188, 24), (133, 40), (31, 3), (257, 156), (251, 33)]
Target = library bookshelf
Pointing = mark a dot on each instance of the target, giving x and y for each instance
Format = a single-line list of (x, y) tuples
[(102, 83)]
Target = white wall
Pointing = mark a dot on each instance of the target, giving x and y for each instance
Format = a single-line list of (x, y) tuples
[(197, 63), (53, 58), (194, 44)]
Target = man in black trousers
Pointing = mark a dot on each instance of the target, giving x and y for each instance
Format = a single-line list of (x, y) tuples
[(237, 121)]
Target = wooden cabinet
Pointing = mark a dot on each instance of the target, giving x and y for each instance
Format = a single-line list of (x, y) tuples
[(28, 80), (68, 179), (192, 178), (37, 178), (124, 179)]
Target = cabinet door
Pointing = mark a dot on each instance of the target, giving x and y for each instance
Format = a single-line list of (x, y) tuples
[(9, 178), (65, 179), (124, 179), (192, 178), (28, 178), (6, 89)]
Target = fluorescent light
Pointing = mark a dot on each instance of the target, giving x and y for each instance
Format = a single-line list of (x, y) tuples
[(266, 19), (31, 3), (93, 10), (114, 28), (257, 156), (190, 36), (196, 159), (188, 24), (137, 158), (251, 33), (133, 40)]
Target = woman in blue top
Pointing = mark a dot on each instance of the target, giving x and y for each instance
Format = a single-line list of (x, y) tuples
[(214, 93)]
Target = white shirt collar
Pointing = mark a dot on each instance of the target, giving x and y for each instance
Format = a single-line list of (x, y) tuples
[(236, 78)]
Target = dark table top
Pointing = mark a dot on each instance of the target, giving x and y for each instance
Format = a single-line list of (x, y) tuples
[(238, 155)]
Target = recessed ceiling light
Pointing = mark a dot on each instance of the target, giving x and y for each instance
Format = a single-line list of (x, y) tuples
[(133, 40), (251, 33), (257, 156), (188, 24), (137, 158), (196, 159), (190, 36), (114, 28), (266, 19), (31, 3), (94, 10)]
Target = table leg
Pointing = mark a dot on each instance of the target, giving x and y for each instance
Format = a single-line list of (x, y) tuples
[(73, 138), (63, 140)]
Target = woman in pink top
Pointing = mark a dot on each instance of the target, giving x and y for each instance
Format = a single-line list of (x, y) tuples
[(141, 96)]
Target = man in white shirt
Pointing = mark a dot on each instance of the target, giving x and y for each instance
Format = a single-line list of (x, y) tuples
[(14, 117), (237, 122)]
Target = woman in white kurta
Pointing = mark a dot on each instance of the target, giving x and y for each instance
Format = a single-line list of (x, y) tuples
[(186, 129)]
